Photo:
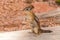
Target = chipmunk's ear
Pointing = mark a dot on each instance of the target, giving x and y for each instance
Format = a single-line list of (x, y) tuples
[(29, 8)]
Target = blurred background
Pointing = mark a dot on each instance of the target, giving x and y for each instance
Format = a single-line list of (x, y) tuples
[(12, 18)]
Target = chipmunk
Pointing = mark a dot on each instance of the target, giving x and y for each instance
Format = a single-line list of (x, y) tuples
[(33, 19)]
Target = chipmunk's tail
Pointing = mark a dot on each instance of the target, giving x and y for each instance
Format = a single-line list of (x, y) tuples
[(45, 31)]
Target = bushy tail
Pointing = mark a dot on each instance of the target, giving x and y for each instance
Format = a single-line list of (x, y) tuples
[(45, 31)]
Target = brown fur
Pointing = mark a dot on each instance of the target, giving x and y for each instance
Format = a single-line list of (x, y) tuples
[(32, 19)]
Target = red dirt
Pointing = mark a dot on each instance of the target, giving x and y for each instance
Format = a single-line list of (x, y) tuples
[(11, 14)]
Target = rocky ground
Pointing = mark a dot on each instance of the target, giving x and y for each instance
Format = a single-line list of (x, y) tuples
[(27, 35)]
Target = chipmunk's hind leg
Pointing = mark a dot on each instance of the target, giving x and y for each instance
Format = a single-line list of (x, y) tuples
[(35, 28)]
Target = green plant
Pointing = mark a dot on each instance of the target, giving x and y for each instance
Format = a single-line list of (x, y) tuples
[(58, 2)]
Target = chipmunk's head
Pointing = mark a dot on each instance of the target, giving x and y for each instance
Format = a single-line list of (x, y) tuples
[(29, 8)]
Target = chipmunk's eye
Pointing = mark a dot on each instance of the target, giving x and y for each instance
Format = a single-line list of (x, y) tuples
[(28, 9)]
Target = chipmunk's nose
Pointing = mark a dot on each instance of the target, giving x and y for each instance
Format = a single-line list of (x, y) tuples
[(29, 8)]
